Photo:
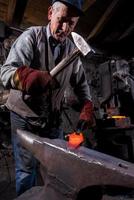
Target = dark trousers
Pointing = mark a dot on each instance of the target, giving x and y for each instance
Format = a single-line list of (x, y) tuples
[(25, 163)]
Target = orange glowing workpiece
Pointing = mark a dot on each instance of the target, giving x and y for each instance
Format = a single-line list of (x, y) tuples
[(75, 139)]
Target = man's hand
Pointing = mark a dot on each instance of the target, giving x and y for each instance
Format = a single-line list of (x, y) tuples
[(86, 119), (33, 81)]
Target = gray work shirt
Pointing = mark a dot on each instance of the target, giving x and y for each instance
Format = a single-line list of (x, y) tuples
[(32, 48)]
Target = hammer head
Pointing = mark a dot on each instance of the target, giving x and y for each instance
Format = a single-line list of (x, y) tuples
[(81, 44)]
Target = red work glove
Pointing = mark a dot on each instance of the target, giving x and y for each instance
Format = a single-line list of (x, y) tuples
[(86, 119), (33, 81)]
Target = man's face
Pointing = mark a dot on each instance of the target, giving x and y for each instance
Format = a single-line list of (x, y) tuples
[(61, 22)]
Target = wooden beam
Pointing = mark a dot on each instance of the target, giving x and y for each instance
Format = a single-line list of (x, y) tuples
[(87, 4), (17, 16), (127, 31), (105, 17), (11, 10)]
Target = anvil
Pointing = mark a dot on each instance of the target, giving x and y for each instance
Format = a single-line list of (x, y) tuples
[(69, 171)]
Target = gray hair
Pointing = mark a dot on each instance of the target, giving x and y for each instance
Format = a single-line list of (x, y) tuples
[(57, 5)]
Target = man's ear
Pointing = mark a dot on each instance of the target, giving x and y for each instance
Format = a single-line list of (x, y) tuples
[(49, 13)]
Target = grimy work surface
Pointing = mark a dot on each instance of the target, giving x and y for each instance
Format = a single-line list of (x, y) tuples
[(70, 170)]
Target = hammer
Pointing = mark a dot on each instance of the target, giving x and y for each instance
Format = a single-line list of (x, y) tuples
[(81, 47)]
